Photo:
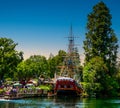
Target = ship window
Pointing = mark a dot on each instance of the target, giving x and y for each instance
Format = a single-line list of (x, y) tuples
[(62, 86), (58, 86), (68, 86), (65, 86), (71, 86)]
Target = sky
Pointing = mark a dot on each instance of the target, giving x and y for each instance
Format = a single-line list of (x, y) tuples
[(40, 27)]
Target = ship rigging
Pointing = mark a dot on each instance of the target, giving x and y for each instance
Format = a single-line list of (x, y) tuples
[(68, 82), (71, 61)]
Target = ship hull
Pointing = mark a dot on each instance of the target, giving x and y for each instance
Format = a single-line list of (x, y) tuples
[(66, 93), (67, 86)]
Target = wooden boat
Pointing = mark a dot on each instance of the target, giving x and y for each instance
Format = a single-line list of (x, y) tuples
[(67, 86)]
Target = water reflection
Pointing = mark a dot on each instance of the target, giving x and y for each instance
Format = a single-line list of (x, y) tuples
[(68, 102), (60, 102)]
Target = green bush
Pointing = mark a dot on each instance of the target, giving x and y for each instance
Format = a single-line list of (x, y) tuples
[(45, 87), (2, 91)]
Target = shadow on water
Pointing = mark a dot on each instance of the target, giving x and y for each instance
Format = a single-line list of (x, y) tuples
[(60, 102)]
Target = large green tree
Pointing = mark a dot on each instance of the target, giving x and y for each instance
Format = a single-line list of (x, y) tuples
[(33, 67), (9, 58), (100, 48), (97, 80), (94, 74), (100, 37), (55, 62)]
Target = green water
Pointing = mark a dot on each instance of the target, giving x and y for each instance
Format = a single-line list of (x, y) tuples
[(60, 102)]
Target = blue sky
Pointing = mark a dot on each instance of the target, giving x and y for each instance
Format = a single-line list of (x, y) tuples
[(40, 26)]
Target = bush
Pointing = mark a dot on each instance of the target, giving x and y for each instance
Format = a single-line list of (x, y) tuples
[(2, 91)]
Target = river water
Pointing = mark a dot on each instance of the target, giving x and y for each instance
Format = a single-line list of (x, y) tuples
[(60, 102)]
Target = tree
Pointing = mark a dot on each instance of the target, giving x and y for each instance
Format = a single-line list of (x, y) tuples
[(23, 71), (118, 74), (9, 58), (101, 41), (55, 62), (94, 74), (33, 67), (100, 37)]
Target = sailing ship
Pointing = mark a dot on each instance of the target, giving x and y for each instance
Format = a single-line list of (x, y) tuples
[(68, 82)]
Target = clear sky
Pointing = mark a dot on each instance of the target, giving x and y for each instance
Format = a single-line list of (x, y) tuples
[(40, 26)]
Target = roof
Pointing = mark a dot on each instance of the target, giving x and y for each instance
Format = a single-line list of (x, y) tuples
[(65, 78)]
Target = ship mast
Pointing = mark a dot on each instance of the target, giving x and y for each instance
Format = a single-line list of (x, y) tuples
[(69, 67), (71, 42)]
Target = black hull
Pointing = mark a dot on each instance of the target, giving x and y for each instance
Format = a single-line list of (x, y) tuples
[(66, 93)]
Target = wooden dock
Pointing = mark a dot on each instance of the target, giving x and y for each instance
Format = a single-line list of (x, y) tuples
[(27, 95)]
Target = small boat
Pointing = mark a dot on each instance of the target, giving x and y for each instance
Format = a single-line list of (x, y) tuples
[(67, 86)]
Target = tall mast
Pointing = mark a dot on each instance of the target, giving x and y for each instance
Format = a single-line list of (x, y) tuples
[(71, 42), (69, 66)]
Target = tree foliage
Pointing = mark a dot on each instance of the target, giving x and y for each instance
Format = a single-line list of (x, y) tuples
[(9, 58), (100, 48), (33, 67), (100, 37), (55, 62), (93, 74)]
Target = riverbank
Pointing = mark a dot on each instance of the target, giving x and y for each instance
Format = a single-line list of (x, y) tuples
[(27, 94), (18, 92)]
